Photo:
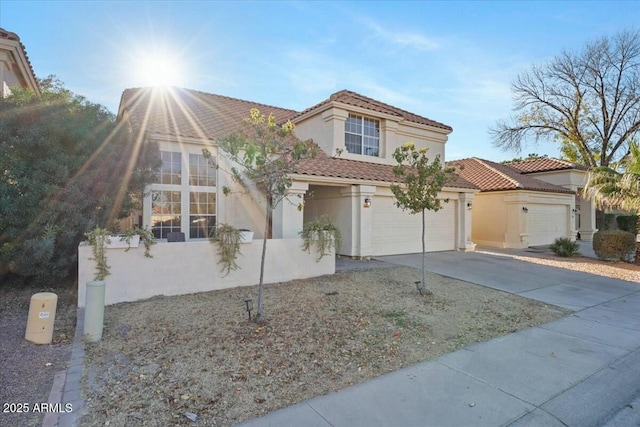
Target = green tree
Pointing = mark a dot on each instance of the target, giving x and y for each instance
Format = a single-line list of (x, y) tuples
[(268, 154), (588, 102), (421, 182), (618, 189), (66, 167)]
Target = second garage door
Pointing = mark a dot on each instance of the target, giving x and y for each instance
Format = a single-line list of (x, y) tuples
[(398, 232), (546, 223)]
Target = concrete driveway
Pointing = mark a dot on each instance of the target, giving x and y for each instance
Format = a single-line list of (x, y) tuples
[(582, 370)]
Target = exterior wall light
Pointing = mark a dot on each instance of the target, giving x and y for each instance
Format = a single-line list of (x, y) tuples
[(469, 205), (525, 209), (248, 302), (367, 202), (574, 210)]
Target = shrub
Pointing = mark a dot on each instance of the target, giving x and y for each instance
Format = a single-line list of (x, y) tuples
[(565, 247), (628, 223), (614, 245), (608, 221)]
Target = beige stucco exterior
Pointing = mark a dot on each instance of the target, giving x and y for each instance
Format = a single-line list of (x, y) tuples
[(575, 180), (15, 70), (504, 219), (189, 267), (326, 128)]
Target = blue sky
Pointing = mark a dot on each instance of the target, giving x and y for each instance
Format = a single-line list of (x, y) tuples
[(449, 61)]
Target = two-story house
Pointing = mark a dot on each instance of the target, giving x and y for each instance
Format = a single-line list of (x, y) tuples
[(349, 180), (15, 67)]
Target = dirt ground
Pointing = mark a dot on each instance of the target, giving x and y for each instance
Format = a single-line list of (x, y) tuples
[(27, 369), (164, 360)]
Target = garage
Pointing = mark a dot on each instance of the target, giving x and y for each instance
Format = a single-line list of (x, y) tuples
[(546, 223), (397, 232)]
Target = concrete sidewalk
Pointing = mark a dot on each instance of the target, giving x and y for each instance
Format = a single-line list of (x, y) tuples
[(582, 370)]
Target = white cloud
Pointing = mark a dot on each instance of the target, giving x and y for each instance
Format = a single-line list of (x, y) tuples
[(414, 40)]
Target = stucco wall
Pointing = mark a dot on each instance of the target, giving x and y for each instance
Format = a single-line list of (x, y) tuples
[(190, 267), (328, 201), (489, 220)]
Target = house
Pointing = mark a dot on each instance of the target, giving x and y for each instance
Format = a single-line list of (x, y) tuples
[(349, 180), (528, 203), (15, 67)]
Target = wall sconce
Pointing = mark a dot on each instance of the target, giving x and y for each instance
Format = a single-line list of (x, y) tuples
[(574, 210), (525, 209), (367, 202), (248, 302), (469, 205)]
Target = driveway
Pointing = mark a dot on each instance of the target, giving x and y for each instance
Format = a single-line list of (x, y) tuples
[(582, 370)]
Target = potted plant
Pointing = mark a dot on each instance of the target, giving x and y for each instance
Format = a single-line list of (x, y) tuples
[(98, 238), (135, 234), (322, 234), (228, 239), (246, 236)]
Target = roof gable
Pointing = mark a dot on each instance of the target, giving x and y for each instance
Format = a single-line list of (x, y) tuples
[(355, 99), (20, 54), (491, 176)]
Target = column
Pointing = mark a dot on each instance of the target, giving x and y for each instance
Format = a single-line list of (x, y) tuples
[(288, 218), (465, 209)]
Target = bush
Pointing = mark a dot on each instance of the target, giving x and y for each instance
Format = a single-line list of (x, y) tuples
[(628, 223), (565, 247), (614, 245), (608, 221)]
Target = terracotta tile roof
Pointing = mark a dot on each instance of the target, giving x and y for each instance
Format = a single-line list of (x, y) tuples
[(4, 34), (545, 165), (490, 176), (336, 167), (357, 100), (189, 113)]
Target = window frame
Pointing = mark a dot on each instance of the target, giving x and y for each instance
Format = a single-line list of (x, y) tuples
[(359, 130)]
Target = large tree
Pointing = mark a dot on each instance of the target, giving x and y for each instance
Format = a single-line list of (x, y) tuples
[(66, 166), (587, 101)]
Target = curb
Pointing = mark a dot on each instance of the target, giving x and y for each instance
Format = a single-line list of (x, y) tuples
[(67, 385)]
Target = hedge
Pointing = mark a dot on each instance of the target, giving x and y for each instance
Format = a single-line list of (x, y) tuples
[(614, 245), (628, 223)]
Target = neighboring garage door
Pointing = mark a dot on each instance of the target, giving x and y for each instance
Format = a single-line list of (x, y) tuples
[(398, 232), (546, 223)]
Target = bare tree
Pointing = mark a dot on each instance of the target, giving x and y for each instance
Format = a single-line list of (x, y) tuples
[(587, 101)]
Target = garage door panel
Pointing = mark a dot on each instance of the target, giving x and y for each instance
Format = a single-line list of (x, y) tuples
[(546, 223), (396, 231)]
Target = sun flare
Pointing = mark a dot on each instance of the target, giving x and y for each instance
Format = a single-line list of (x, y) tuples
[(158, 71)]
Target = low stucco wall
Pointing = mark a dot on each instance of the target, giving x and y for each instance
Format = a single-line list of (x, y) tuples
[(190, 267)]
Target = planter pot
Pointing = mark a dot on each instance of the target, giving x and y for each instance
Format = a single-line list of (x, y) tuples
[(120, 242), (94, 311), (246, 236)]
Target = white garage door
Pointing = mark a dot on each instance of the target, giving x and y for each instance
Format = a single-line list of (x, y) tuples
[(398, 232), (546, 223)]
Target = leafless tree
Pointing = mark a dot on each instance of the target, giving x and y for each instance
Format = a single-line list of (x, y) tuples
[(586, 101)]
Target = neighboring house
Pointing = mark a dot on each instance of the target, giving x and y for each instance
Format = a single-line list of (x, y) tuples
[(15, 67), (528, 203), (349, 180)]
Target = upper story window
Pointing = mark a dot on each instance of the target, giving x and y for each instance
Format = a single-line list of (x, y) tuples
[(171, 170), (362, 135), (200, 171)]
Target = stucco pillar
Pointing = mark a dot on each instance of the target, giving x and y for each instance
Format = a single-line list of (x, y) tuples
[(359, 243), (465, 206), (288, 218), (517, 234), (587, 220)]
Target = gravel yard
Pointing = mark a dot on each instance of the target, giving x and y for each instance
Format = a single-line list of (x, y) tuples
[(166, 359), (28, 369)]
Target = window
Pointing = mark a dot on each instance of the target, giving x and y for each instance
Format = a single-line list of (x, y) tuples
[(362, 135), (171, 170), (197, 216), (200, 172), (165, 212), (202, 214)]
